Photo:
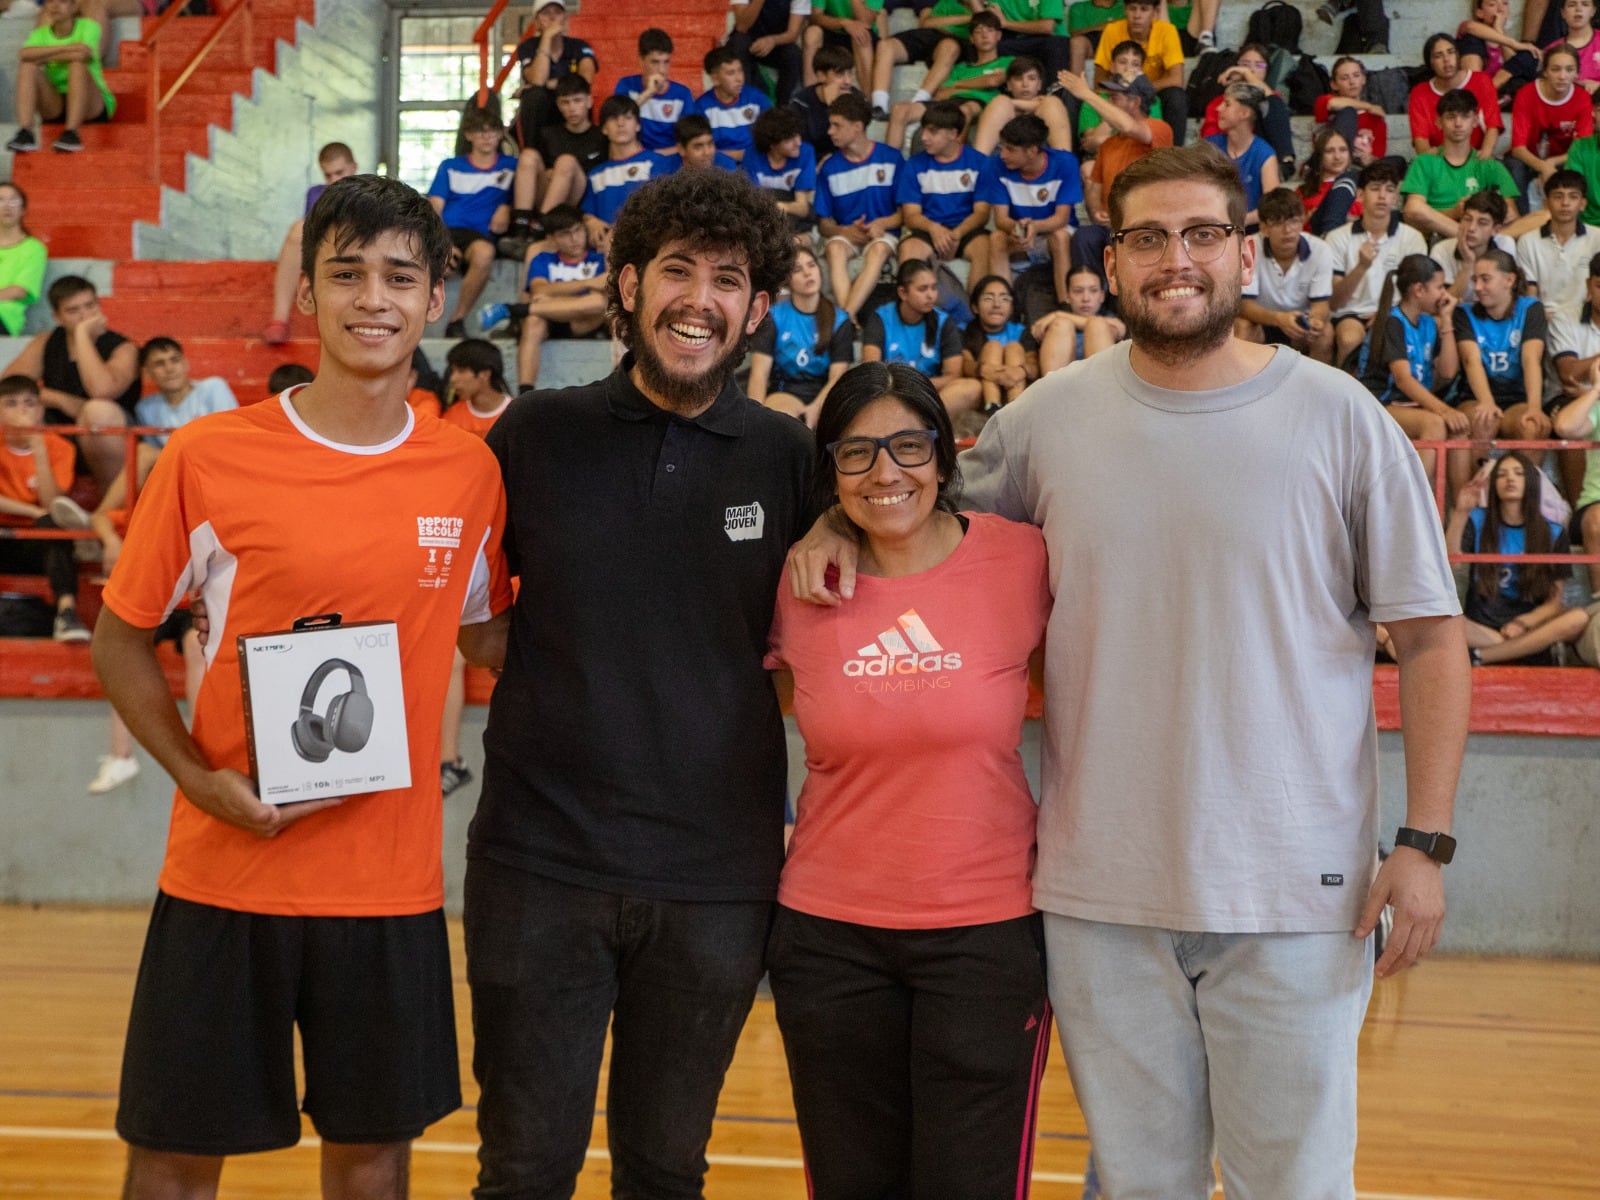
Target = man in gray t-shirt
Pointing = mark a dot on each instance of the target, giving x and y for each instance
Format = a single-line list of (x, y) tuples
[(1208, 826)]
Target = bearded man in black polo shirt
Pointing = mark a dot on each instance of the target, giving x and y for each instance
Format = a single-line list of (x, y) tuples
[(626, 848)]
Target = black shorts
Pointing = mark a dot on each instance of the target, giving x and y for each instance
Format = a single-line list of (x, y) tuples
[(561, 329), (837, 37), (208, 1067), (461, 239), (920, 43), (103, 118), (801, 387)]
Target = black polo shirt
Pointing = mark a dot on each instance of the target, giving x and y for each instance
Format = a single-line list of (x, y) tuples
[(634, 742)]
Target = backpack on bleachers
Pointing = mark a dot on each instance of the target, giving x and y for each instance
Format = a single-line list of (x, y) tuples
[(1276, 23), (1389, 87), (1204, 84), (1305, 82)]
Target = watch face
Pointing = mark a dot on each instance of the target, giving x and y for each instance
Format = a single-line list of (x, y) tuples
[(1444, 848)]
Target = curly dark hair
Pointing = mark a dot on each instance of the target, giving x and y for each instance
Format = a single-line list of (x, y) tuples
[(708, 210)]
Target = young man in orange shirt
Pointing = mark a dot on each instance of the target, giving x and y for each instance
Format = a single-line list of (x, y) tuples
[(325, 914)]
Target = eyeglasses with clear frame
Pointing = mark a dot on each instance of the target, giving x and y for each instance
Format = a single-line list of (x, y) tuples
[(908, 448), (1203, 242)]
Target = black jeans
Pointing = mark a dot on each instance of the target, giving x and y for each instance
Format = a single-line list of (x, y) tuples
[(551, 965), (915, 1054), (784, 59), (51, 558)]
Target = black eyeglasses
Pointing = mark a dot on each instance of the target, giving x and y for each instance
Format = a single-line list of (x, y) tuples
[(908, 448), (1204, 242)]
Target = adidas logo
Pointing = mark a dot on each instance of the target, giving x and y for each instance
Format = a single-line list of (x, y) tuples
[(907, 647)]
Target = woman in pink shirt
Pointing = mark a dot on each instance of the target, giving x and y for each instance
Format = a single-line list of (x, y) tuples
[(906, 957)]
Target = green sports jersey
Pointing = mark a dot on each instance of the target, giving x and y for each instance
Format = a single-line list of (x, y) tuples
[(86, 32), (952, 8), (1443, 185), (963, 71), (1084, 16), (842, 8), (1583, 156), (1030, 10), (1179, 16)]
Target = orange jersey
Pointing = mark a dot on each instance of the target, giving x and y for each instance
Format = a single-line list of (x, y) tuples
[(270, 522), (423, 402), (19, 476), (463, 414)]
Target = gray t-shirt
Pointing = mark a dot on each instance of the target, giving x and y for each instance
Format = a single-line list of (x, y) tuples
[(1217, 559)]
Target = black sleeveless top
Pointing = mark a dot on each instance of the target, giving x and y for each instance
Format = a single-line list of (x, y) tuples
[(61, 372)]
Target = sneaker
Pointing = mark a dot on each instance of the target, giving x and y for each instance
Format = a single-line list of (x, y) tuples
[(491, 316), (1207, 40), (68, 143), (1375, 46), (276, 333), (513, 246), (453, 775), (113, 773), (456, 329), (67, 513), (23, 142), (879, 113), (70, 627)]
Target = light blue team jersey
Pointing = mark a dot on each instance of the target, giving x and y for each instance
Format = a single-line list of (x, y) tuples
[(1035, 199), (794, 351), (1422, 342), (850, 191), (730, 123), (658, 114), (614, 180), (798, 174), (552, 268), (946, 192), (1500, 343), (903, 343), (1012, 332), (472, 194)]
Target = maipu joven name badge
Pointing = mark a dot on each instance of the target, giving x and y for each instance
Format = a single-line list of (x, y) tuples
[(325, 711)]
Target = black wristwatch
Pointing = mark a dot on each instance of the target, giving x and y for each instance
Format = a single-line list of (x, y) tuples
[(1440, 847)]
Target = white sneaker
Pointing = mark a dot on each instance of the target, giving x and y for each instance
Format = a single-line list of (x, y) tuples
[(67, 513), (113, 773)]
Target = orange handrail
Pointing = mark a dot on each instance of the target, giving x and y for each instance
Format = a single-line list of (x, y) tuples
[(155, 101), (481, 36), (130, 436)]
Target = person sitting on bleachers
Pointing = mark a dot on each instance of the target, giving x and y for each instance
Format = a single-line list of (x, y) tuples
[(35, 472), (22, 261), (569, 148), (941, 215), (1251, 156), (87, 374), (1273, 114), (1090, 130), (940, 41), (849, 25), (856, 212), (659, 99), (1163, 59), (472, 194), (730, 104), (1575, 352), (1343, 108), (563, 293), (835, 78), (1447, 75), (1032, 191), (997, 349), (1501, 338), (1577, 20), (1477, 229), (783, 163), (767, 33), (1484, 44), (1024, 95), (1328, 189), (697, 145), (59, 79), (801, 347), (913, 329), (336, 161), (1547, 117), (1515, 611), (1555, 259), (1286, 300), (1079, 328), (1579, 417), (1438, 180), (547, 55), (973, 83), (627, 167), (1087, 21)]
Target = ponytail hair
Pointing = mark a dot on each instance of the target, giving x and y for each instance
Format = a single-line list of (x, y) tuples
[(1413, 271), (826, 315), (1505, 264), (908, 271)]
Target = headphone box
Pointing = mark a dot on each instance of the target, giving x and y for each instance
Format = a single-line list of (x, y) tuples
[(325, 711)]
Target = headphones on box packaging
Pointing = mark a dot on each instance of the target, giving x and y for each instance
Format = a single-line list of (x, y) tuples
[(347, 724)]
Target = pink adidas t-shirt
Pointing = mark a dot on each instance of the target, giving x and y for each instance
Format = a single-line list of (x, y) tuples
[(915, 812)]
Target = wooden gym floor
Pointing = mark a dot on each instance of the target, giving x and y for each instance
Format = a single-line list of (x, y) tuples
[(1480, 1080)]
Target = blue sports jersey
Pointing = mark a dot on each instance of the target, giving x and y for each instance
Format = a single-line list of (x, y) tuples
[(1011, 333), (946, 192), (1511, 541), (1422, 342), (730, 123), (658, 114), (614, 180), (794, 351), (1500, 343), (551, 267), (903, 343), (1035, 199), (851, 191), (798, 174), (472, 194), (1249, 165)]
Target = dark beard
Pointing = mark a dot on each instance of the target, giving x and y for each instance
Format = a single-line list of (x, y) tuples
[(1173, 349), (687, 396)]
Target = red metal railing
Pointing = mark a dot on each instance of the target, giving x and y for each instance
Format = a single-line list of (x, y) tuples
[(130, 466), (156, 99), (481, 36)]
